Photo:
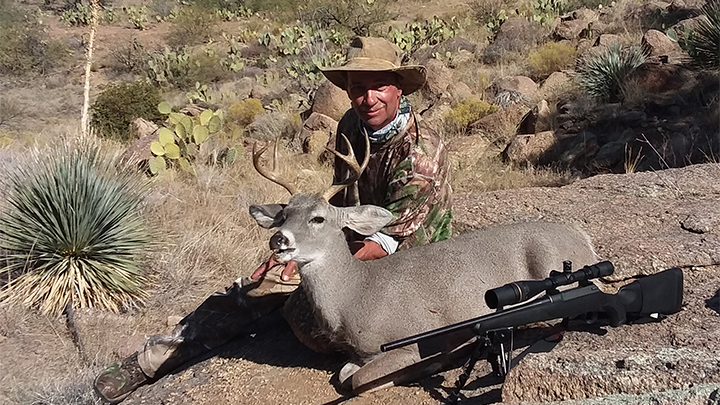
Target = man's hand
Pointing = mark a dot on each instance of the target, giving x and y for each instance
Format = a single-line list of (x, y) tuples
[(367, 250), (362, 250), (287, 272)]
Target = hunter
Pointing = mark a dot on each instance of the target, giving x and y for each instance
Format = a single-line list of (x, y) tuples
[(407, 174)]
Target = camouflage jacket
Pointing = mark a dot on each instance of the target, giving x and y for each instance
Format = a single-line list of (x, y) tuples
[(408, 175)]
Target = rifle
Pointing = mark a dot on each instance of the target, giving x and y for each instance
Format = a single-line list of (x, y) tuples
[(654, 296)]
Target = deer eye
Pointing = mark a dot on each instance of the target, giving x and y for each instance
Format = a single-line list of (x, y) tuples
[(317, 220)]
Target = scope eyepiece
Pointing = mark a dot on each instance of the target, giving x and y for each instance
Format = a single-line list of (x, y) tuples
[(520, 291)]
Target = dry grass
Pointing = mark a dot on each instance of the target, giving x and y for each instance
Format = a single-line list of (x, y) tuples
[(488, 174)]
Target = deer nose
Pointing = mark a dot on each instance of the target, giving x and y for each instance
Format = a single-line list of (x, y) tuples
[(278, 241)]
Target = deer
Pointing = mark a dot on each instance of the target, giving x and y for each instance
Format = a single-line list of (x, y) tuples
[(363, 304)]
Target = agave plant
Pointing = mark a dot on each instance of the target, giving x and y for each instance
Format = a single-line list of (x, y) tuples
[(71, 232), (703, 43), (602, 74)]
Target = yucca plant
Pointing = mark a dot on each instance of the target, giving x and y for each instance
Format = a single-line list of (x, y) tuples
[(71, 232), (703, 43), (602, 74)]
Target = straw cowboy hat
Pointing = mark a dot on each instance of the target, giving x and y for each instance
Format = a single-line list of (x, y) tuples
[(368, 54)]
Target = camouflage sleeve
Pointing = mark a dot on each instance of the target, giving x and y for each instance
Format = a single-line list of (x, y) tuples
[(419, 192)]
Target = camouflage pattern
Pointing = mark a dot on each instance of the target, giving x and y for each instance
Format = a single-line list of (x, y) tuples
[(408, 175)]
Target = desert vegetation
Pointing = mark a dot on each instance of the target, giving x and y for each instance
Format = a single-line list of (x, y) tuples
[(139, 225)]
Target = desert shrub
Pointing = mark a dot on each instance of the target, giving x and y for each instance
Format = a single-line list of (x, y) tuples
[(356, 16), (602, 74), (24, 44), (244, 112), (551, 57), (466, 112), (191, 26), (703, 43), (118, 105), (490, 13), (72, 232), (130, 58)]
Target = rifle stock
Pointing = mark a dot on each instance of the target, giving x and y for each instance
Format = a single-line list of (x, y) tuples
[(660, 293)]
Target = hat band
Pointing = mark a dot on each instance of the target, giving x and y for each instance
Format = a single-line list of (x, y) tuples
[(373, 61)]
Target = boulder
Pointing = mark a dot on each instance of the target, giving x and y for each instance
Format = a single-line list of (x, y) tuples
[(556, 83), (317, 132), (536, 120), (658, 45), (519, 84), (439, 77), (515, 35), (499, 127), (459, 91), (570, 29), (467, 150), (330, 100), (139, 151), (605, 40), (529, 149)]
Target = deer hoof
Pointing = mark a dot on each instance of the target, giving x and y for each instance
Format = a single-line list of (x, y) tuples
[(346, 373)]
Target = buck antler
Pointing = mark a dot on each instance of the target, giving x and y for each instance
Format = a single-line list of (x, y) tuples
[(273, 175), (351, 161)]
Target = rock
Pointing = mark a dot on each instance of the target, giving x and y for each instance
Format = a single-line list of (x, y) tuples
[(127, 346), (585, 14), (515, 35), (536, 120), (499, 127), (330, 100), (658, 45), (529, 149), (459, 91), (439, 77), (173, 320), (662, 79), (243, 87), (610, 155), (467, 150), (317, 132), (557, 83), (139, 151), (583, 148), (435, 115), (520, 84), (570, 30), (605, 40), (602, 372)]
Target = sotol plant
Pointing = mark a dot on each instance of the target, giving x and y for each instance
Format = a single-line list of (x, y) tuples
[(602, 75), (72, 231), (703, 43)]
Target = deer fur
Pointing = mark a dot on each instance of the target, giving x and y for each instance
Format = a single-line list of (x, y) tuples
[(365, 304)]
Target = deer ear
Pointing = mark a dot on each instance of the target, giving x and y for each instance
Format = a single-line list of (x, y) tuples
[(268, 215), (365, 219)]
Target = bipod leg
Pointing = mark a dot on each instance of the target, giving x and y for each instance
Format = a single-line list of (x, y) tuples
[(480, 351)]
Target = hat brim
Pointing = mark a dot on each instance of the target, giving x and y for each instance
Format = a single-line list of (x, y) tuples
[(412, 76)]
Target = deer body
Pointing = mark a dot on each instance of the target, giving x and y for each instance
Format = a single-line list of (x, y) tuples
[(365, 304)]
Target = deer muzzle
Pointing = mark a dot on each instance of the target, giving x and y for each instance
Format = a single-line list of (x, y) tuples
[(279, 242)]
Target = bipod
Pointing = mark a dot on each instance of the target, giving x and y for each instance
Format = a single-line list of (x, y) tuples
[(496, 346)]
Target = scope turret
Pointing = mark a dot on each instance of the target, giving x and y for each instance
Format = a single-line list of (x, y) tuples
[(520, 291)]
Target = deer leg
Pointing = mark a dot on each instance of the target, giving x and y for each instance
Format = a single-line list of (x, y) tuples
[(394, 368)]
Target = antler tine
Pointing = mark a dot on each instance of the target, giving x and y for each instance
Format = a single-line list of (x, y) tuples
[(351, 161), (271, 175)]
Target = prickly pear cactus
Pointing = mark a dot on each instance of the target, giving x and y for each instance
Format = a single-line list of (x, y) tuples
[(180, 142)]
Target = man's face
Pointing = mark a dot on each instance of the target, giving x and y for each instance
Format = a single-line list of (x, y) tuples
[(375, 97)]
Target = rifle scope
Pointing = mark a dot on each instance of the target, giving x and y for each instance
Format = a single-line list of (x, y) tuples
[(520, 291)]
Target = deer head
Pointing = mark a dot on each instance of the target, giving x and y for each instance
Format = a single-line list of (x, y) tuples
[(308, 225)]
